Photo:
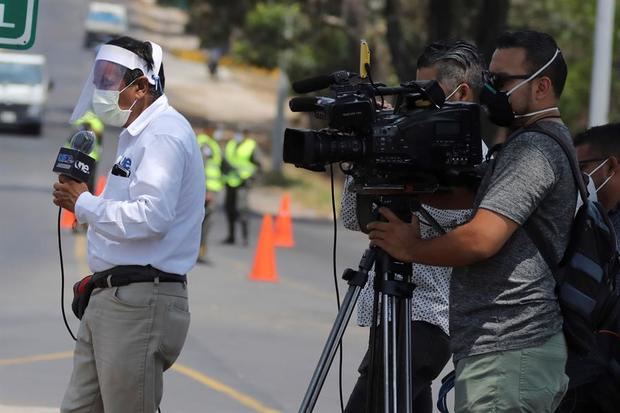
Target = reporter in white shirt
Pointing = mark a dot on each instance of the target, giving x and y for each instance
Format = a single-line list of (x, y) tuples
[(143, 236)]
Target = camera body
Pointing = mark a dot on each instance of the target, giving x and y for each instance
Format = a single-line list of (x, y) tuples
[(421, 144)]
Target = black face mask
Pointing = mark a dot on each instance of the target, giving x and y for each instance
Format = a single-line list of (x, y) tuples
[(496, 101), (497, 105)]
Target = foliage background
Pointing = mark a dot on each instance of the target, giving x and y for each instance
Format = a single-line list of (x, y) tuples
[(310, 37)]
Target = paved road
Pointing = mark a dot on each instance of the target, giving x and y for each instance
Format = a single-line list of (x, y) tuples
[(252, 347)]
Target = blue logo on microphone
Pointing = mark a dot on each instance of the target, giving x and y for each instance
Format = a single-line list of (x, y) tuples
[(65, 158)]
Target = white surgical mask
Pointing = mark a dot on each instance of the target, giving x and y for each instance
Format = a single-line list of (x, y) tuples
[(591, 187), (105, 106)]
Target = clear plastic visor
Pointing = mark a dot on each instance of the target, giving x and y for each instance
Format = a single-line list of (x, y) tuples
[(108, 75), (111, 65)]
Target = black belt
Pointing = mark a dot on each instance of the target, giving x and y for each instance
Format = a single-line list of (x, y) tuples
[(127, 274)]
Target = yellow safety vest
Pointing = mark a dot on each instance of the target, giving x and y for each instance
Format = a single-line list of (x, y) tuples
[(95, 153), (239, 156), (94, 124), (92, 120), (213, 162)]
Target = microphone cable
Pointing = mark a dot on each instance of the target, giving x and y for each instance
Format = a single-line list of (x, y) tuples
[(62, 279)]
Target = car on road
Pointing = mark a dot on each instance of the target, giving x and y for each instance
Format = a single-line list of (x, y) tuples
[(24, 86), (104, 22)]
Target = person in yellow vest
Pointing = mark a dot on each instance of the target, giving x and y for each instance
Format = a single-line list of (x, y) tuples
[(240, 167), (91, 122), (212, 157)]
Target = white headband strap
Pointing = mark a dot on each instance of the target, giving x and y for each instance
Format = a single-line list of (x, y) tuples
[(130, 60), (158, 57)]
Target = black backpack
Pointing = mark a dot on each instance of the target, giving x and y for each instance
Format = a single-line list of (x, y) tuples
[(586, 275)]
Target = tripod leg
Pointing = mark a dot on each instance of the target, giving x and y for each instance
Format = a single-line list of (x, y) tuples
[(386, 352), (329, 350), (408, 387), (388, 326)]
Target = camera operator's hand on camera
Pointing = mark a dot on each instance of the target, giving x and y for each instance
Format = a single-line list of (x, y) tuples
[(395, 237)]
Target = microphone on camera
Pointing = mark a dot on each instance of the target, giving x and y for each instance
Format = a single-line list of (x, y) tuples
[(74, 162), (309, 103), (313, 84)]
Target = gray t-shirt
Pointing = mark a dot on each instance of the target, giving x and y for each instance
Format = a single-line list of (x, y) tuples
[(508, 301)]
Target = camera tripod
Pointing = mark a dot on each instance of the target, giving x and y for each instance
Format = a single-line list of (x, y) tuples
[(393, 283)]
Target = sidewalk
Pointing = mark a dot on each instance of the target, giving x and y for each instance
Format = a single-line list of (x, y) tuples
[(234, 99)]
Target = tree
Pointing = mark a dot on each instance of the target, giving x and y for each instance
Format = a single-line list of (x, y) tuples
[(479, 21)]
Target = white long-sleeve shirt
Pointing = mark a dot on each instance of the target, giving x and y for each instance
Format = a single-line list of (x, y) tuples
[(152, 216)]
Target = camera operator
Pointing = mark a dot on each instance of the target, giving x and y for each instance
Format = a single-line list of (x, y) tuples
[(505, 320), (594, 384), (143, 235), (457, 67)]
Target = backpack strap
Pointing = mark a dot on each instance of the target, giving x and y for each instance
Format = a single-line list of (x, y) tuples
[(533, 232)]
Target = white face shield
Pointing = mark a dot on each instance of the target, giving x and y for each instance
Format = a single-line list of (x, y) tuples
[(106, 81)]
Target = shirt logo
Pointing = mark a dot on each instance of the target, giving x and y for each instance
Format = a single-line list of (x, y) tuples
[(126, 163), (122, 167)]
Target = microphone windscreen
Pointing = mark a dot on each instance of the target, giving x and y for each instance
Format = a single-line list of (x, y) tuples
[(312, 84), (83, 141), (303, 104)]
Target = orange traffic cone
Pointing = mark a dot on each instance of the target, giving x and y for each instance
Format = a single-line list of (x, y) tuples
[(100, 185), (283, 236), (67, 219), (264, 267)]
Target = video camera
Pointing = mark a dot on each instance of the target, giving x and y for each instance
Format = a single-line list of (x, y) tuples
[(419, 145)]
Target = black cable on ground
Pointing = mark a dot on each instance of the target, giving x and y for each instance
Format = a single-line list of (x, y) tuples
[(331, 168), (62, 280)]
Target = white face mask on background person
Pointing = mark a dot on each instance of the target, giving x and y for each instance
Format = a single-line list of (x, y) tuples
[(105, 106), (591, 187)]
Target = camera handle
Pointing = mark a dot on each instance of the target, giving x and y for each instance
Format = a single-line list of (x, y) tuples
[(391, 290)]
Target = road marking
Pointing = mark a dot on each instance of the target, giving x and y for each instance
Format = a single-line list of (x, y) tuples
[(245, 400), (201, 378), (37, 358)]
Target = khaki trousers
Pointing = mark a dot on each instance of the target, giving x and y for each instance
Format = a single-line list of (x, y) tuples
[(529, 380), (127, 338)]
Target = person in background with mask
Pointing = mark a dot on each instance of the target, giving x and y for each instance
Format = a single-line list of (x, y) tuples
[(143, 235), (239, 168), (457, 66), (594, 385), (505, 321)]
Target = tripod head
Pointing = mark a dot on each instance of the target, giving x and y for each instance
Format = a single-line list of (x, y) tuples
[(368, 208)]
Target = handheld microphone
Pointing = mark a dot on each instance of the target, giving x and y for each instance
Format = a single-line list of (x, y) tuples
[(74, 162), (313, 84)]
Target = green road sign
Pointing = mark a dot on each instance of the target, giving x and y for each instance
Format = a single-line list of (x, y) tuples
[(18, 23)]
